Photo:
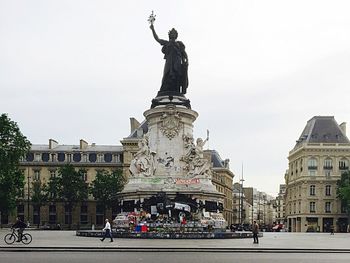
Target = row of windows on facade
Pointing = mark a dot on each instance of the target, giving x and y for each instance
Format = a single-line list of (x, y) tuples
[(312, 165), (312, 207), (343, 164), (74, 157), (67, 214), (312, 191), (221, 178), (53, 174), (220, 189), (313, 172)]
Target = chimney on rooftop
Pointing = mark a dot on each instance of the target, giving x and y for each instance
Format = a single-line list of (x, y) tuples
[(52, 144), (343, 127), (83, 144), (134, 124)]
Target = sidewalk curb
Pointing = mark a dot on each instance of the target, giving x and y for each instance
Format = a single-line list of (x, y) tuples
[(167, 250)]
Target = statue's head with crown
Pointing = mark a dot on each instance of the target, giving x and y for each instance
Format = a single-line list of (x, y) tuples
[(173, 34)]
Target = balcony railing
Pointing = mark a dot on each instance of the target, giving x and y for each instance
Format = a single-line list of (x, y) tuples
[(328, 167), (312, 167)]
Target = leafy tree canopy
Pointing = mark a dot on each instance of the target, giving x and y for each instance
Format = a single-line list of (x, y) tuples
[(69, 186), (344, 190), (39, 193), (106, 187), (13, 146)]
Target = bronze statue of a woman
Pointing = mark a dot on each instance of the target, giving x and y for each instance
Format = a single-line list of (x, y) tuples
[(175, 79)]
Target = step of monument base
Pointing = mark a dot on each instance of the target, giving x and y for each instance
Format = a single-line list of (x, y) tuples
[(169, 235)]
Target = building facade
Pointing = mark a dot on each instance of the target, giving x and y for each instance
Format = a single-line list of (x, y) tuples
[(43, 162), (222, 179), (241, 206), (260, 207), (280, 205), (320, 155), (252, 196), (236, 195)]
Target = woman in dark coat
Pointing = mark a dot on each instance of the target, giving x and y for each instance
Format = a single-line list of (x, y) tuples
[(175, 79)]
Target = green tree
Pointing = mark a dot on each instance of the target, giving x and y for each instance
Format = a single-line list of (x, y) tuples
[(106, 187), (53, 186), (13, 146), (343, 191), (39, 195), (68, 187)]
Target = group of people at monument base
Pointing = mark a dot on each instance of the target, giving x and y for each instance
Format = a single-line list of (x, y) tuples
[(108, 231)]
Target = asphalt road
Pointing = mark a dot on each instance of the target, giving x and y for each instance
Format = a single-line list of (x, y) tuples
[(66, 247), (177, 257)]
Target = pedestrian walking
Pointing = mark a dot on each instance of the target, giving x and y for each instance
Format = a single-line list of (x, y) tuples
[(108, 231), (255, 230), (332, 229)]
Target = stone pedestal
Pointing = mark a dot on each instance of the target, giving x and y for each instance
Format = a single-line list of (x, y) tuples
[(168, 160)]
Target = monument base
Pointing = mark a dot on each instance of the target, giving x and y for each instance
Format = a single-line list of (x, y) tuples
[(169, 235), (199, 193), (163, 207)]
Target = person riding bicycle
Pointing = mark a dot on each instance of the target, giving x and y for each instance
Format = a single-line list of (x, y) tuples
[(21, 226)]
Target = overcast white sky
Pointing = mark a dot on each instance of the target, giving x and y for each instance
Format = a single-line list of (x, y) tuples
[(258, 71)]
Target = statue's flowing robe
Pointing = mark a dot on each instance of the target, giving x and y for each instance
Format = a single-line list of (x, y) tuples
[(175, 79)]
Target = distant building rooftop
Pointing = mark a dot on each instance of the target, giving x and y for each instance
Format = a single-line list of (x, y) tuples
[(216, 159), (67, 148), (83, 146), (139, 131)]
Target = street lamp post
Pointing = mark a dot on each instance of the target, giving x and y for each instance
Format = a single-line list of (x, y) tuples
[(259, 208), (28, 195), (264, 206), (241, 203), (252, 206)]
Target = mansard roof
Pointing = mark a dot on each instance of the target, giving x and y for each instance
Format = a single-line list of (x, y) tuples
[(72, 148), (216, 160), (322, 129), (136, 133)]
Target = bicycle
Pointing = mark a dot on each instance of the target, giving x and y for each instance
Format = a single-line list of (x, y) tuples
[(12, 237)]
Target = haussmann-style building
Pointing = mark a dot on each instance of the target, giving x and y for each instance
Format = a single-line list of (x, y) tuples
[(316, 162), (43, 162)]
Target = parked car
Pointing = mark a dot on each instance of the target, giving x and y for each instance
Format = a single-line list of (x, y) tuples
[(278, 228)]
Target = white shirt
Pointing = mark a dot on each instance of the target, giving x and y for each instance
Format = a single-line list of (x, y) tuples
[(107, 226)]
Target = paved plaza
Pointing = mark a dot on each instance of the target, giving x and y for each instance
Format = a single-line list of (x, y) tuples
[(279, 240), (65, 246)]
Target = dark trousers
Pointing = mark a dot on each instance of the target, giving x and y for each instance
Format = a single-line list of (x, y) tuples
[(20, 233), (107, 234), (255, 237)]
